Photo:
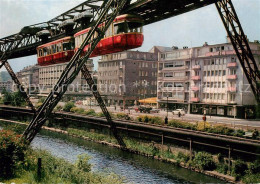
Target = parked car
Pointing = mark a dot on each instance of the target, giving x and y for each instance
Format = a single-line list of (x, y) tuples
[(177, 111), (144, 109), (155, 111)]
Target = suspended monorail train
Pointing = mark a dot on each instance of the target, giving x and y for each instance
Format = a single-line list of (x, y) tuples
[(126, 32)]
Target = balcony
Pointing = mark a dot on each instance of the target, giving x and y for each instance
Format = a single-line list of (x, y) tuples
[(195, 78), (195, 88), (231, 77), (232, 65), (196, 67), (232, 102), (195, 100), (232, 89)]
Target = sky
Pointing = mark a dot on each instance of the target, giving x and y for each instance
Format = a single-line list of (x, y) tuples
[(190, 29)]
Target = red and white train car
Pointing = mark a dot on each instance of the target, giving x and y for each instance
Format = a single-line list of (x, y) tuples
[(124, 33)]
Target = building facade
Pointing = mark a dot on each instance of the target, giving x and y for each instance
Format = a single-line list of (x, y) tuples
[(7, 85), (29, 78), (126, 77), (49, 76), (207, 79)]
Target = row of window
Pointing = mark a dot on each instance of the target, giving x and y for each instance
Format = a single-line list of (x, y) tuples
[(174, 74), (215, 96), (59, 47), (174, 64), (214, 73)]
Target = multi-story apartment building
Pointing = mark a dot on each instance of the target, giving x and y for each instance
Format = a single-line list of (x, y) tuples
[(49, 76), (29, 78), (126, 77), (206, 79), (7, 85)]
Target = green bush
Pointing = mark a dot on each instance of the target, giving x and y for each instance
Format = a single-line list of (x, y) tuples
[(150, 119), (58, 108), (240, 167), (254, 167), (221, 130), (68, 106), (77, 110), (204, 161), (179, 124), (12, 152), (100, 114), (121, 115), (181, 157), (82, 163), (90, 112)]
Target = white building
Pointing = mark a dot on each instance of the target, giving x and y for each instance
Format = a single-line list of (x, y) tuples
[(208, 78), (49, 76)]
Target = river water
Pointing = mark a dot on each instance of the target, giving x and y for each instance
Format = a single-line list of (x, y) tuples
[(134, 168)]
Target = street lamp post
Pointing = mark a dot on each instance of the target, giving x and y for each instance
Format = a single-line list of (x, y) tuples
[(167, 104), (90, 103)]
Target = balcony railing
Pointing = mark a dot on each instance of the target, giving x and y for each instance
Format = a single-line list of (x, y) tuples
[(196, 67), (195, 99), (195, 88), (232, 89), (231, 77), (232, 65), (195, 78)]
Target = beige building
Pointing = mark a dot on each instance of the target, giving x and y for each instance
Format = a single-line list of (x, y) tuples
[(29, 78), (206, 79), (49, 76)]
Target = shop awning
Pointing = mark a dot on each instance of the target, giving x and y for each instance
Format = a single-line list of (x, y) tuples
[(149, 100)]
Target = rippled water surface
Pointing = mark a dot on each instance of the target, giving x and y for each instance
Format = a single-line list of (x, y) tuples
[(134, 168)]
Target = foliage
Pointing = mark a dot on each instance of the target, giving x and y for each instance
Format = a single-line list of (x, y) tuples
[(77, 110), (121, 115), (100, 114), (56, 170), (90, 112), (240, 167), (12, 151), (82, 163), (203, 126), (15, 99), (180, 124), (204, 161), (41, 100), (221, 130), (67, 107), (181, 157), (58, 108), (150, 119)]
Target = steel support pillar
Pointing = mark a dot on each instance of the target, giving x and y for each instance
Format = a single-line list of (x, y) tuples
[(240, 43), (105, 15)]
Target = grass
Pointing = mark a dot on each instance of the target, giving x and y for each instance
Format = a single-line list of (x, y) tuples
[(56, 170)]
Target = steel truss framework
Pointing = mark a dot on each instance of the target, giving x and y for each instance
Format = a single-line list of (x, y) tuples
[(4, 62), (150, 10), (105, 14), (240, 43), (25, 43)]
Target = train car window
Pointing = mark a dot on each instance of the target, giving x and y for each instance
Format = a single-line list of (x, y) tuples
[(135, 27), (120, 28), (68, 46), (45, 51), (53, 49), (40, 52)]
